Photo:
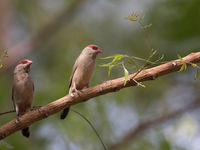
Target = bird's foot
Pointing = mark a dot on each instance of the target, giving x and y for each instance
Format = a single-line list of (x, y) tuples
[(78, 92), (17, 120), (87, 86), (75, 91), (72, 95)]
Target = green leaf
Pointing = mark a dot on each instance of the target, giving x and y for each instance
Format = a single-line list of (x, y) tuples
[(133, 17), (179, 57), (139, 83), (114, 62), (112, 56), (183, 67), (159, 59), (105, 65), (194, 65), (116, 59), (153, 53), (109, 69), (125, 74), (5, 53), (108, 64), (197, 74), (140, 19), (147, 26)]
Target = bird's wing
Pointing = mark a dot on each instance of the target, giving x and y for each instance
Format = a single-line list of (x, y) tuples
[(73, 71), (31, 81), (13, 98)]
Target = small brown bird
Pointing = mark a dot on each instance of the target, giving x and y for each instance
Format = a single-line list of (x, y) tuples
[(22, 91), (82, 71)]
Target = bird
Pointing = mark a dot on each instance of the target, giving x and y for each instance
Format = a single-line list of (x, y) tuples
[(82, 72), (22, 91)]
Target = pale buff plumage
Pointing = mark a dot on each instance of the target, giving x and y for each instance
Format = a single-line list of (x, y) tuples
[(82, 71), (22, 91)]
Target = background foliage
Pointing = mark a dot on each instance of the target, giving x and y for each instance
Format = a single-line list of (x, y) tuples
[(175, 30)]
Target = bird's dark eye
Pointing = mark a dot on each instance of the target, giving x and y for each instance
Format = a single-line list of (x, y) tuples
[(94, 48), (24, 62)]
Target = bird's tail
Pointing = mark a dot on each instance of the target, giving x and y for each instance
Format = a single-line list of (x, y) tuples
[(26, 132), (64, 113)]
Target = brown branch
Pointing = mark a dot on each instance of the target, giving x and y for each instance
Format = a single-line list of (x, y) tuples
[(101, 89), (143, 126), (23, 48)]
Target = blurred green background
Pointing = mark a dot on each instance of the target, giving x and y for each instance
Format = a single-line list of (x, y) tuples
[(175, 31)]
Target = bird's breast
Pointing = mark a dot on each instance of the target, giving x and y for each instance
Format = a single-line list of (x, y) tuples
[(23, 94), (83, 73)]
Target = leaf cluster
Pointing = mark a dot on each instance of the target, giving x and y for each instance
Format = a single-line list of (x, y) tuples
[(184, 67), (3, 56), (125, 61), (139, 17)]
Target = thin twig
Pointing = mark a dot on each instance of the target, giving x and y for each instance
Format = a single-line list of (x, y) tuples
[(89, 122), (11, 111), (149, 50), (91, 125), (7, 112)]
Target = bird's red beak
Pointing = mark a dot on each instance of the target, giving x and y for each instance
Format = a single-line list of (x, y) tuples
[(99, 50), (29, 62)]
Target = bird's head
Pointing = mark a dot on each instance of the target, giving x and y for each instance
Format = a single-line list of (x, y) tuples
[(92, 50), (23, 66)]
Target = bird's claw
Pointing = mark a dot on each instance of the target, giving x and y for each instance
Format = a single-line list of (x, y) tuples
[(71, 94), (17, 120), (75, 91), (78, 92)]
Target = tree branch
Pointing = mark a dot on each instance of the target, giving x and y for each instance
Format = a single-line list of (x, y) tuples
[(101, 89), (143, 126)]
